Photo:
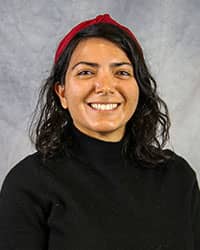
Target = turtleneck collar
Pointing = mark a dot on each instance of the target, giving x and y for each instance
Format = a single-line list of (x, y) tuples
[(96, 151)]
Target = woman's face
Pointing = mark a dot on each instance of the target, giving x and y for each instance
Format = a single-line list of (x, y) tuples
[(100, 90)]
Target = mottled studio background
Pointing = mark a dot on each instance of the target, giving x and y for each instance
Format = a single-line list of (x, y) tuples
[(169, 31)]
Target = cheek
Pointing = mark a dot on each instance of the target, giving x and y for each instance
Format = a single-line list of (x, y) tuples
[(132, 93), (72, 94), (75, 95), (136, 94), (77, 89), (133, 98)]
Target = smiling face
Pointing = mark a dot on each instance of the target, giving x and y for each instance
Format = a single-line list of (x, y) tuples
[(100, 90)]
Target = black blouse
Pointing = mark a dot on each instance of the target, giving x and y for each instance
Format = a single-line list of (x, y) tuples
[(93, 200)]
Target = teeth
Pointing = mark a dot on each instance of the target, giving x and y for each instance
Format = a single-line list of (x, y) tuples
[(103, 106)]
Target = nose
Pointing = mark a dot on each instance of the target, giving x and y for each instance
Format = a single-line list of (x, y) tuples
[(104, 85)]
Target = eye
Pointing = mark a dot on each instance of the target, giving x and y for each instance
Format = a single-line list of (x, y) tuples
[(123, 73), (85, 73)]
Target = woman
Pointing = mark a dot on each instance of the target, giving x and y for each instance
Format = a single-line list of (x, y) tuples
[(100, 178)]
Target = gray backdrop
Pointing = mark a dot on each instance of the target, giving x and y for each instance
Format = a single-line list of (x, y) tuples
[(29, 33)]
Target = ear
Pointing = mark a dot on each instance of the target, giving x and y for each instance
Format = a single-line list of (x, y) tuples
[(60, 91)]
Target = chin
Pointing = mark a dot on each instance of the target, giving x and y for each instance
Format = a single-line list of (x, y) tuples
[(109, 131), (104, 128)]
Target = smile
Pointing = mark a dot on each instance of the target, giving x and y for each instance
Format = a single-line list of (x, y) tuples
[(104, 106)]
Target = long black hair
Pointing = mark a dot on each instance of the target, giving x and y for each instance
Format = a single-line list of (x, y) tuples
[(146, 132)]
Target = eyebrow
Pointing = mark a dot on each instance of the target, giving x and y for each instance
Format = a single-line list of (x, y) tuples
[(96, 65)]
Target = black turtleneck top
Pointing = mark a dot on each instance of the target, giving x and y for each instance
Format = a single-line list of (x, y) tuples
[(94, 200)]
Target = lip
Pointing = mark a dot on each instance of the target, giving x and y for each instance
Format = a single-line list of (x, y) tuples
[(98, 110), (89, 103)]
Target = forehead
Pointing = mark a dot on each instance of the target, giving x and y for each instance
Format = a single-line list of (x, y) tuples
[(98, 49)]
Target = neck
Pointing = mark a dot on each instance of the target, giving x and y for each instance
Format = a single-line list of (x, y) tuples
[(95, 151)]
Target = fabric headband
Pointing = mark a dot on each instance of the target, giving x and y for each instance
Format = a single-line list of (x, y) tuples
[(99, 19)]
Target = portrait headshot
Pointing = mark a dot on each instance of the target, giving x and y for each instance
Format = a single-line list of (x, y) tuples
[(100, 125)]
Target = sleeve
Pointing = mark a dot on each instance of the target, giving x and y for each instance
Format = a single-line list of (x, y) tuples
[(195, 211), (21, 217)]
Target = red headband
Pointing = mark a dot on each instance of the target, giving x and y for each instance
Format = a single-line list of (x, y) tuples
[(99, 19)]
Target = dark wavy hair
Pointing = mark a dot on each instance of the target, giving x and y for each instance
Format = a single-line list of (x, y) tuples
[(146, 132)]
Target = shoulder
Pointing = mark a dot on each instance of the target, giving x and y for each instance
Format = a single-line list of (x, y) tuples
[(32, 172), (178, 163), (178, 169), (25, 172)]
